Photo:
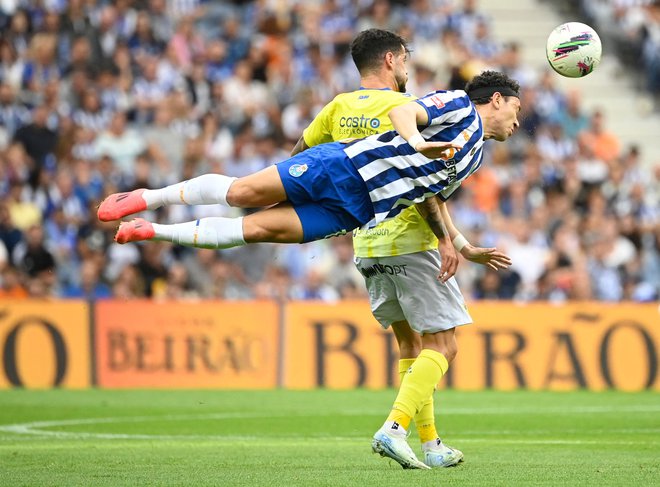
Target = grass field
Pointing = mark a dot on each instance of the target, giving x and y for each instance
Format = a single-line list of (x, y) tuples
[(321, 438)]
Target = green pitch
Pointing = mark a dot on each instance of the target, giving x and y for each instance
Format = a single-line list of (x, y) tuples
[(321, 438)]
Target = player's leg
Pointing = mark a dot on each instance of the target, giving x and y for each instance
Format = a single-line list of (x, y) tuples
[(417, 386), (410, 345), (436, 453), (276, 224), (408, 341), (263, 188), (421, 378), (387, 310), (432, 309), (283, 223)]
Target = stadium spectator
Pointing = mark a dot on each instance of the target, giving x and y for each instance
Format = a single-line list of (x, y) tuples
[(89, 285), (36, 261), (11, 283), (38, 141), (120, 143), (604, 145)]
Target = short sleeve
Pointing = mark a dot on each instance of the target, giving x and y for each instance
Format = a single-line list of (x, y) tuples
[(318, 132), (445, 106)]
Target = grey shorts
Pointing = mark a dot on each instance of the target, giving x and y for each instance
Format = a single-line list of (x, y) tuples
[(406, 287)]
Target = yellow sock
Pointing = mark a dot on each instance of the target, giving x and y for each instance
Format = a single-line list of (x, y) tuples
[(425, 421), (404, 365), (417, 386), (425, 418)]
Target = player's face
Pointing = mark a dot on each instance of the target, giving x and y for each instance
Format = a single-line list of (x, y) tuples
[(401, 70), (507, 118)]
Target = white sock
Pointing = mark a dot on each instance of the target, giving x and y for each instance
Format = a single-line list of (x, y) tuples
[(206, 233), (389, 426), (207, 189), (431, 445)]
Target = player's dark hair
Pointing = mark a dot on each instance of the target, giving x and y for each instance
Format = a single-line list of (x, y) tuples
[(370, 45), (481, 88)]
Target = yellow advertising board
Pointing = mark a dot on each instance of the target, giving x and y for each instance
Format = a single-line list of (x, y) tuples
[(540, 346), (337, 346), (536, 346), (187, 345), (45, 344)]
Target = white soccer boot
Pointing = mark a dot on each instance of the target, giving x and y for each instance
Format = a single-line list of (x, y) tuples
[(441, 455), (394, 445)]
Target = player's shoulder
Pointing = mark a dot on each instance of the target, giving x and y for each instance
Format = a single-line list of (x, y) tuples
[(440, 98), (366, 93), (447, 94)]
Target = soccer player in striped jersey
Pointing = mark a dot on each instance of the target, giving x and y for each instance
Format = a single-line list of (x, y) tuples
[(333, 188), (413, 296)]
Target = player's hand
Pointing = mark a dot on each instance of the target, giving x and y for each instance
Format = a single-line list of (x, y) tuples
[(448, 259), (438, 150), (490, 257)]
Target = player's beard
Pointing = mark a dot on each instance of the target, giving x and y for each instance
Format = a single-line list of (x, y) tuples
[(401, 85)]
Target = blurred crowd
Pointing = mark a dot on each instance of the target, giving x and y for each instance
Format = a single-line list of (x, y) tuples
[(632, 28), (104, 96)]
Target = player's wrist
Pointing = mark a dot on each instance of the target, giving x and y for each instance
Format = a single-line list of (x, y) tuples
[(415, 140), (460, 242)]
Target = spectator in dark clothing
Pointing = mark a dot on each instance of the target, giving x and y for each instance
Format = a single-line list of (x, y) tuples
[(503, 284), (38, 140), (32, 257)]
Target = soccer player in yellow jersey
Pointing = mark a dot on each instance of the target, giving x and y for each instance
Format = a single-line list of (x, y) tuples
[(399, 258)]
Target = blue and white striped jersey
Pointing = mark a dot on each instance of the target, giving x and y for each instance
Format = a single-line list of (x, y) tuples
[(397, 176)]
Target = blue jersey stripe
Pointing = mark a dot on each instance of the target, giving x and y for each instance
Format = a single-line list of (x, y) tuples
[(393, 173), (383, 152)]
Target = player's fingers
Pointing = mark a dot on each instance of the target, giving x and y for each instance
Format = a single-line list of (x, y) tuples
[(501, 261), (504, 260), (443, 270), (452, 265)]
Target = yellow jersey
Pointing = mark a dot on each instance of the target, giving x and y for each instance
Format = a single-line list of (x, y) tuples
[(359, 114)]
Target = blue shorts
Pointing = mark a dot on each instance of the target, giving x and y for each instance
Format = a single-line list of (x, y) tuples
[(326, 191)]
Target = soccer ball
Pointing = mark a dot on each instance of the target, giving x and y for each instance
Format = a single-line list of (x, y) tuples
[(573, 49)]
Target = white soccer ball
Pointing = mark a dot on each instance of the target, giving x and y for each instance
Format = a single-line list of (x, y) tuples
[(573, 49)]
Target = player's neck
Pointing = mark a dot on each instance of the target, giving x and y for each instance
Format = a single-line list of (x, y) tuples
[(376, 82), (485, 120)]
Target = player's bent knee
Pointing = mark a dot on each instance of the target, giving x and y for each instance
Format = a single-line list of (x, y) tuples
[(451, 354), (253, 233), (241, 195)]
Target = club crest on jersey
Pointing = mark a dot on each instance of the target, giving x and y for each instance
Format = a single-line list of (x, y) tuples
[(297, 170)]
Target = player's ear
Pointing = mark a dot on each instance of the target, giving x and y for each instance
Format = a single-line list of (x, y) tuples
[(389, 57), (496, 99)]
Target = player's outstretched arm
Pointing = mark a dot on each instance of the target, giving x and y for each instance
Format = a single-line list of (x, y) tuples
[(490, 257)]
